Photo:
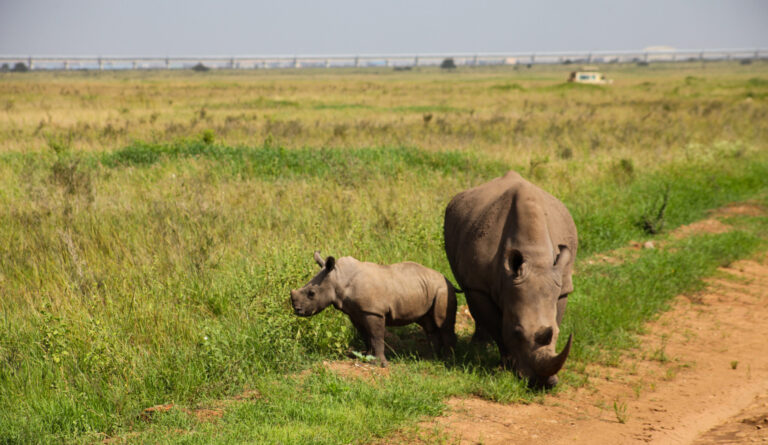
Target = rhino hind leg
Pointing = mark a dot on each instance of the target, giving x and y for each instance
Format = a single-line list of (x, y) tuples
[(444, 315), (427, 323), (561, 303), (448, 340), (448, 330)]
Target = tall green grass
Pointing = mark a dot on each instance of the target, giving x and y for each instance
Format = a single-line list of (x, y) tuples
[(160, 273)]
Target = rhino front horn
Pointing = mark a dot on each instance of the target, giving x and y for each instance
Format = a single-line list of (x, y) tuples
[(549, 366)]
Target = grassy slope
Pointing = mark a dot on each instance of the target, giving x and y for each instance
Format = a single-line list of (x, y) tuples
[(153, 272)]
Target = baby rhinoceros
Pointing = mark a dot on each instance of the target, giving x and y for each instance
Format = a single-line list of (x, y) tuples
[(375, 296)]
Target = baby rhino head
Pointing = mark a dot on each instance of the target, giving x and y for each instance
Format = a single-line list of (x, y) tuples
[(319, 293)]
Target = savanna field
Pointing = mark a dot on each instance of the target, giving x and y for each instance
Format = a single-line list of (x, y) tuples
[(152, 225)]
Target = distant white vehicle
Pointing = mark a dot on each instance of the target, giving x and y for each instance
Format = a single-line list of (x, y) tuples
[(593, 77)]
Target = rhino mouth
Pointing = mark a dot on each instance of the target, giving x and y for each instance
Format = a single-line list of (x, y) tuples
[(542, 367), (301, 312), (298, 310), (546, 383)]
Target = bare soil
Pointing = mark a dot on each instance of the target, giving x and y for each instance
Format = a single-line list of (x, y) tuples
[(700, 377)]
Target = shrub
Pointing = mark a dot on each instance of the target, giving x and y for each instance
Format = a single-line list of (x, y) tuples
[(20, 67), (448, 64), (200, 68), (208, 137)]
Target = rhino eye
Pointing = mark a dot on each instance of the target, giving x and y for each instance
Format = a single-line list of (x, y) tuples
[(311, 294)]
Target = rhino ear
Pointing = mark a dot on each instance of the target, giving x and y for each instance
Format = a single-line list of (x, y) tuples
[(319, 259), (330, 263), (563, 257)]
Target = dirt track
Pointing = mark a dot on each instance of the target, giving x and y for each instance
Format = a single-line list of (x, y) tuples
[(701, 377)]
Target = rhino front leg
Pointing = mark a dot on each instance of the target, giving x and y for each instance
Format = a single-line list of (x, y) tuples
[(363, 331), (376, 326), (487, 318)]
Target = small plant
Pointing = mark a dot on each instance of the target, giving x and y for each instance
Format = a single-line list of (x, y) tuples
[(534, 164), (340, 130), (620, 409), (671, 373), (269, 141), (734, 364), (60, 145), (627, 166), (655, 224), (427, 117), (208, 136), (363, 358), (660, 354)]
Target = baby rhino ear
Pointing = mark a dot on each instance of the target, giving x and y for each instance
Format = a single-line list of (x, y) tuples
[(330, 263), (319, 259)]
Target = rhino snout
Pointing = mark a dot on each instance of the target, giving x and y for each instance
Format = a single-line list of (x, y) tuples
[(295, 297)]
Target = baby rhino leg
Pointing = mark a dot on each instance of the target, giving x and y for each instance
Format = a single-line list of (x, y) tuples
[(444, 315), (375, 325), (427, 322), (363, 331)]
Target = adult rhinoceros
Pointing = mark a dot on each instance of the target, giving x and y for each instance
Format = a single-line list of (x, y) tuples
[(511, 247)]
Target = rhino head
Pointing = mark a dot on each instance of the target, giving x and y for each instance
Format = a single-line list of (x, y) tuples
[(319, 293), (530, 288)]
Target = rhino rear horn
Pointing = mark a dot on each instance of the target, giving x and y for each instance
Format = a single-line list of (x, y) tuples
[(549, 366), (319, 259)]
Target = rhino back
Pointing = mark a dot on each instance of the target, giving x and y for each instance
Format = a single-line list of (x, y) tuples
[(479, 221), (401, 292)]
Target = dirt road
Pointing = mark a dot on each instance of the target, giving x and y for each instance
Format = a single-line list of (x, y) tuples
[(701, 377)]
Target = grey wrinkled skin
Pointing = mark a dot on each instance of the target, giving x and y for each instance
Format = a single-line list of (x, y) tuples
[(375, 296), (511, 247)]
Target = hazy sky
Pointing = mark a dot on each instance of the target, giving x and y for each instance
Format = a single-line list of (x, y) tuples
[(240, 27)]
